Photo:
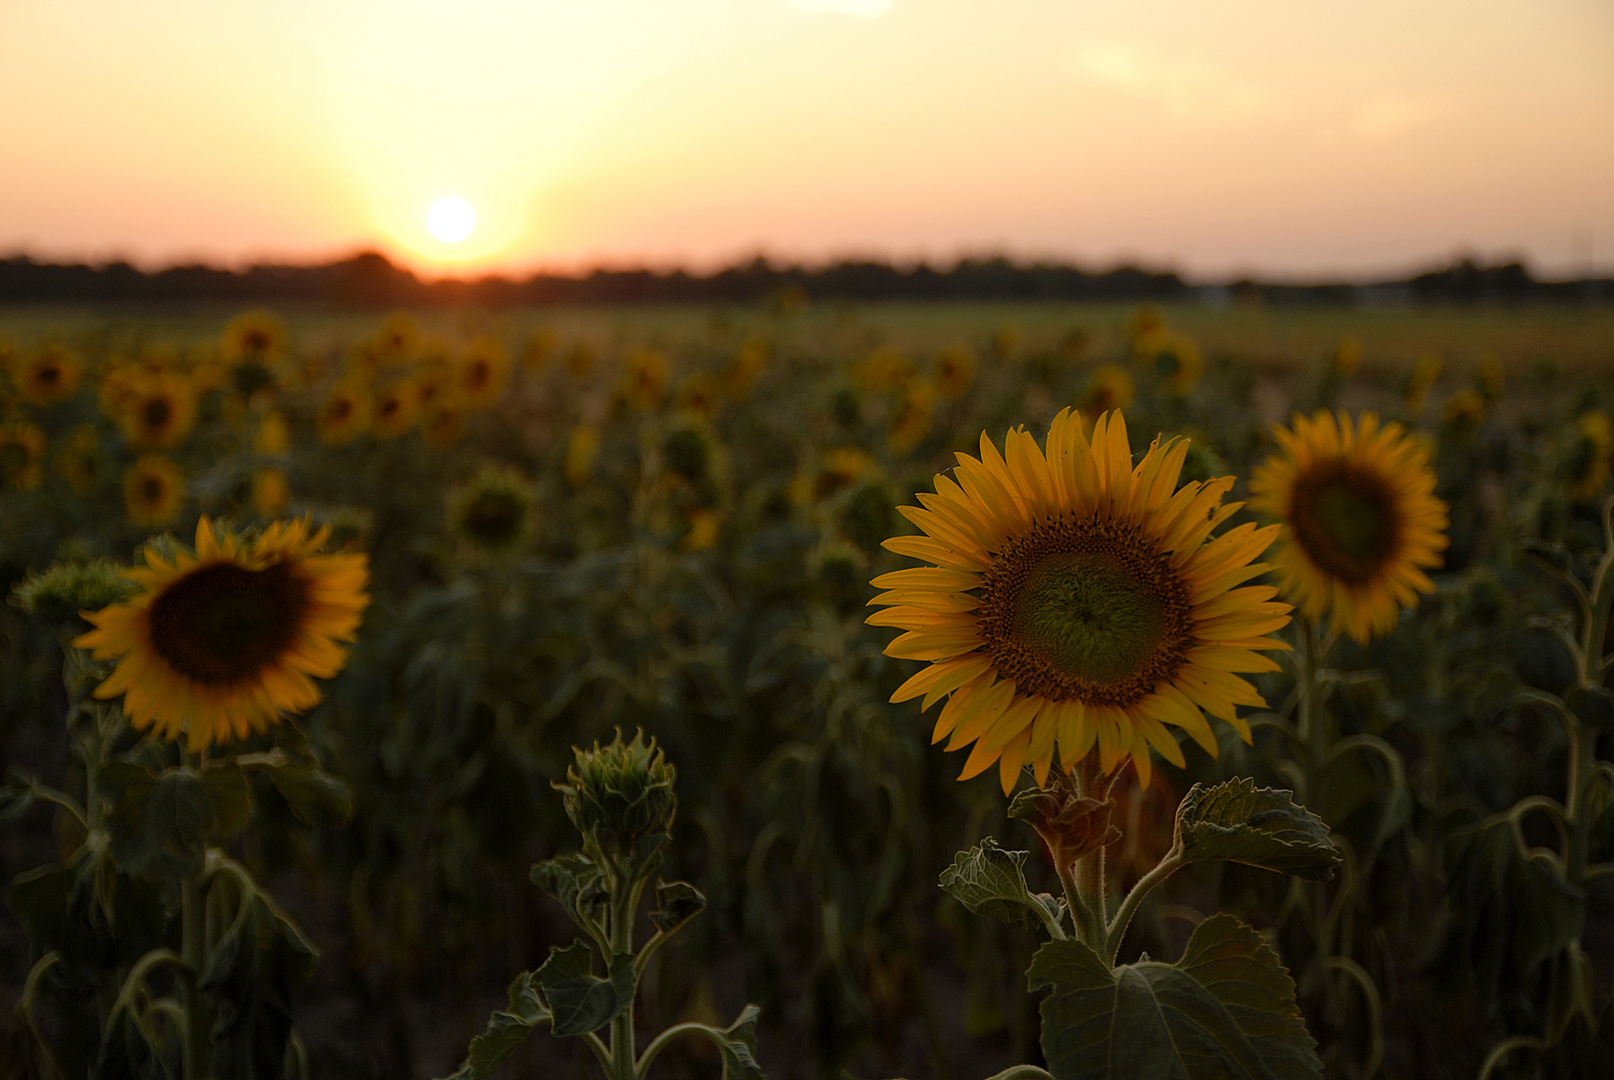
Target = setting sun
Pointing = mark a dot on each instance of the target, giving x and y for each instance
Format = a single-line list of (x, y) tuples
[(451, 219)]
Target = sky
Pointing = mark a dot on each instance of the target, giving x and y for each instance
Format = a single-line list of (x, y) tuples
[(1324, 139)]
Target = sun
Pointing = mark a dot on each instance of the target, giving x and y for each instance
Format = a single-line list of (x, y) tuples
[(451, 219)]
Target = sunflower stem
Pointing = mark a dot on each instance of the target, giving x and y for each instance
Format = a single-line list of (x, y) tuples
[(624, 905)]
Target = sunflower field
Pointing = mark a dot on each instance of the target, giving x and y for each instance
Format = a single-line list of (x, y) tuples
[(794, 692)]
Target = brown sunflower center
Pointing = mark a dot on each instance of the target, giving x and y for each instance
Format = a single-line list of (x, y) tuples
[(1346, 520), (1085, 609), (223, 623), (340, 408), (155, 413), (494, 518), (151, 489), (50, 375)]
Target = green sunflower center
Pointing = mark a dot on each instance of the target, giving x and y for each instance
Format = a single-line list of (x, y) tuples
[(222, 623), (1346, 520), (1085, 609)]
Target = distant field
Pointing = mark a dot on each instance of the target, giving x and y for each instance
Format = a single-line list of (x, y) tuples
[(1271, 339)]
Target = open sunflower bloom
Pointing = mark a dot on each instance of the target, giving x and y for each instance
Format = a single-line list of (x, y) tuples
[(1361, 520), (221, 642), (1079, 603)]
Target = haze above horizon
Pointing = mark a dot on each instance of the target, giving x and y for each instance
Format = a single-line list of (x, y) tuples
[(1251, 136)]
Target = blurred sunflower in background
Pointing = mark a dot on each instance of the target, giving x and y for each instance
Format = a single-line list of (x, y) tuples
[(396, 406), (582, 447), (1078, 602), (1174, 358), (345, 413), (749, 362), (442, 424), (221, 641), (697, 396), (911, 416), (271, 491), (955, 371), (1590, 460), (258, 335), (1361, 521), (80, 461), (494, 513), (157, 412), (153, 491), (481, 373), (1109, 389), (22, 456), (52, 374), (646, 374)]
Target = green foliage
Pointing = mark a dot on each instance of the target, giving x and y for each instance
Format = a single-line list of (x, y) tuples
[(991, 881), (579, 1001), (1239, 822), (506, 1032), (1225, 1010)]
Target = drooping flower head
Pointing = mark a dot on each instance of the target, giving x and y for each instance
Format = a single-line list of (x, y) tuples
[(1361, 522), (1077, 601), (220, 642)]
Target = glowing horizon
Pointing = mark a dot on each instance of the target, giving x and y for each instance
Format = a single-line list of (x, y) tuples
[(1255, 138)]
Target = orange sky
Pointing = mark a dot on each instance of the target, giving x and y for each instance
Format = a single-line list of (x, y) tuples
[(1219, 136)]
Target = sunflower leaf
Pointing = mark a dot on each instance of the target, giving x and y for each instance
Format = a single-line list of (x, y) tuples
[(229, 795), (579, 1000), (159, 824), (578, 884), (677, 902), (314, 795), (992, 882), (16, 795), (1261, 827), (1226, 1010), (506, 1030), (738, 1045)]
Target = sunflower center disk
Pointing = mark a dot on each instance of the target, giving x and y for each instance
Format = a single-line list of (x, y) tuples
[(223, 623), (1088, 617), (1087, 610), (1345, 520)]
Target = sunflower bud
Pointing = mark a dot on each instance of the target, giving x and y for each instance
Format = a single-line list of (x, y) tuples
[(65, 589), (1070, 824), (621, 799)]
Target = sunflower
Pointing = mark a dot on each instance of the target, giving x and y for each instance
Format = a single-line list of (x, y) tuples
[(345, 414), (494, 514), (219, 643), (955, 370), (697, 396), (1078, 601), (542, 345), (158, 411), (395, 409), (750, 360), (1361, 520), (256, 335), (1111, 388), (273, 437), (1175, 358), (79, 460), (645, 379), (442, 424), (482, 373), (53, 374), (270, 492), (22, 456), (910, 418), (153, 491), (582, 447), (884, 370), (1587, 465)]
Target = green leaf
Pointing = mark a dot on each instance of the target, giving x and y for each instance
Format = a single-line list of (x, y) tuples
[(506, 1031), (229, 794), (580, 1001), (738, 1045), (1261, 827), (577, 883), (677, 902), (159, 824), (992, 882), (1592, 705), (16, 796), (314, 795), (1225, 1010)]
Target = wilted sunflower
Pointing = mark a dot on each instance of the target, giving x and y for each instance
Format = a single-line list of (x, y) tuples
[(158, 411), (52, 374), (79, 460), (22, 456), (220, 642), (955, 370), (345, 413), (153, 491), (1361, 522), (1078, 601), (482, 373), (396, 406)]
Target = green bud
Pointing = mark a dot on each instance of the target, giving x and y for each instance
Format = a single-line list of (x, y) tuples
[(621, 799), (64, 590)]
